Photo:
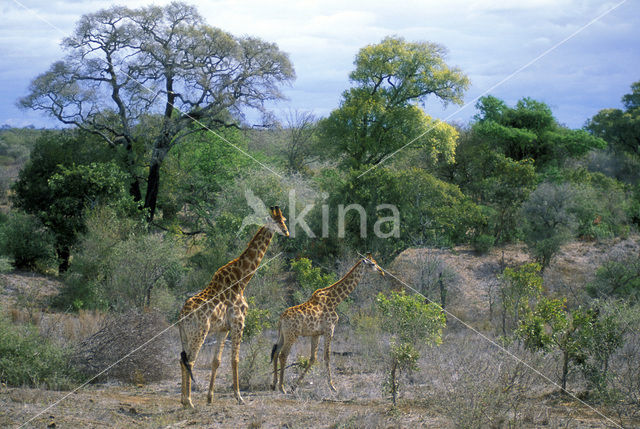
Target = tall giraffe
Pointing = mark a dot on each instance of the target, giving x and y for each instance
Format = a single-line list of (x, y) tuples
[(313, 318), (221, 308)]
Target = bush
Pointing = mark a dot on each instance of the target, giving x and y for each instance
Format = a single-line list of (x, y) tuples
[(126, 348), (483, 243), (24, 239), (412, 325), (618, 277), (119, 266), (28, 359), (549, 220)]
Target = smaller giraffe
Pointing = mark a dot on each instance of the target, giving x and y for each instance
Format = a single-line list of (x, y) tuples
[(221, 308), (313, 318)]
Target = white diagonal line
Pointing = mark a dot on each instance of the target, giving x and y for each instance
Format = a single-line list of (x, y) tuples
[(501, 348), (509, 77), (266, 167)]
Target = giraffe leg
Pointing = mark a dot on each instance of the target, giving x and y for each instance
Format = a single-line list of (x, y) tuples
[(327, 353), (276, 354), (186, 387), (192, 334), (236, 338), (312, 360), (215, 362), (284, 353)]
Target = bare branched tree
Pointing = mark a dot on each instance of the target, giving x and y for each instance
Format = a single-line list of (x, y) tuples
[(156, 74)]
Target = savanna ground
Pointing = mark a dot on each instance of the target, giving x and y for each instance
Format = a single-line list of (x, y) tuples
[(465, 382)]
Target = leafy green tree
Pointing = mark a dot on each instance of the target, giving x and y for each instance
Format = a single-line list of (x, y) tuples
[(548, 220), (412, 324), (67, 171), (529, 130), (519, 289), (619, 127), (381, 113), (583, 336), (618, 277), (156, 74), (430, 211), (26, 241), (197, 175), (75, 189)]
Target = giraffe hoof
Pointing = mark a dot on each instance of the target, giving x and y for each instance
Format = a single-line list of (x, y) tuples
[(188, 405), (281, 389), (240, 400), (333, 388)]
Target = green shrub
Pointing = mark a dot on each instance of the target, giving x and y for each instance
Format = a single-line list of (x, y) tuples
[(412, 324), (309, 279), (482, 243), (119, 266), (6, 264), (27, 359), (618, 277), (24, 239)]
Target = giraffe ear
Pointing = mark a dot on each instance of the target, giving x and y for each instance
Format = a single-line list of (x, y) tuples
[(369, 256)]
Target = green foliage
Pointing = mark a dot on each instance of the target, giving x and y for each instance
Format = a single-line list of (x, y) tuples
[(6, 264), (409, 319), (77, 188), (621, 128), (519, 289), (380, 114), (412, 324), (483, 243), (256, 320), (67, 173), (16, 143), (617, 278), (196, 173), (210, 88), (430, 211), (119, 266), (529, 130), (309, 279), (549, 220), (24, 239), (586, 337), (27, 359)]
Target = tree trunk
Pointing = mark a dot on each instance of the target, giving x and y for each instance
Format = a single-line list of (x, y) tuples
[(153, 186), (64, 253), (565, 369), (394, 384)]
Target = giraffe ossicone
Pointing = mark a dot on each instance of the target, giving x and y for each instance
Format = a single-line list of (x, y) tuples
[(221, 308), (313, 318)]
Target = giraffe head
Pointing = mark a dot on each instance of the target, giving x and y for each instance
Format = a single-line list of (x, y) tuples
[(276, 221), (372, 264)]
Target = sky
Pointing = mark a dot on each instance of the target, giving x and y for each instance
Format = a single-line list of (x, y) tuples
[(578, 56)]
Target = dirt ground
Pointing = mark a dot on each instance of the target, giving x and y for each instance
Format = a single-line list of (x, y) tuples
[(158, 406)]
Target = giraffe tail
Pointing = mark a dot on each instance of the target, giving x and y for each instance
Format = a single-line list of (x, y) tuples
[(277, 346), (185, 362)]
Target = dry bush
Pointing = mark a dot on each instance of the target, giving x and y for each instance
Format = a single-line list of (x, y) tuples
[(477, 386), (113, 345)]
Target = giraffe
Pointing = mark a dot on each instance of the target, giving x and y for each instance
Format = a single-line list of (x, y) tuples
[(317, 316), (221, 308)]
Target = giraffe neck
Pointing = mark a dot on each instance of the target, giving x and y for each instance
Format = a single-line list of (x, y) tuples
[(250, 259), (343, 287)]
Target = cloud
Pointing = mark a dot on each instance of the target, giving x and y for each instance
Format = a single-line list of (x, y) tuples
[(488, 40)]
